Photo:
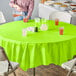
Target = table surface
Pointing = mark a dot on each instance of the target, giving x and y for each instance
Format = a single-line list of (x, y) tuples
[(38, 48)]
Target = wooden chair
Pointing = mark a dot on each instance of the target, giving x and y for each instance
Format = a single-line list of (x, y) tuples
[(70, 66), (6, 67)]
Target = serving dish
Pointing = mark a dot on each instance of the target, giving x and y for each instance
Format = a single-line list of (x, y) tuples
[(57, 5), (72, 12), (63, 7), (73, 5), (48, 2)]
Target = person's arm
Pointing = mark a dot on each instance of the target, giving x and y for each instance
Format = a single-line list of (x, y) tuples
[(12, 4), (30, 8)]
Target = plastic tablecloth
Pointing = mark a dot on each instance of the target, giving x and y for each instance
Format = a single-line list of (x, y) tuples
[(38, 48)]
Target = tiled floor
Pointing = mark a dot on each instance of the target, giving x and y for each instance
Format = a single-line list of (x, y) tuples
[(50, 70)]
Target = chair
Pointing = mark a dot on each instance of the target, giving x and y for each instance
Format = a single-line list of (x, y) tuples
[(62, 16), (2, 19), (6, 67), (70, 66)]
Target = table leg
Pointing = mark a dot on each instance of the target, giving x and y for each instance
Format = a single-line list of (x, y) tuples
[(71, 20), (33, 71)]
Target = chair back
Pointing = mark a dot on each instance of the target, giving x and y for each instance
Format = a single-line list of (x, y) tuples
[(2, 54), (62, 16), (2, 19), (10, 66)]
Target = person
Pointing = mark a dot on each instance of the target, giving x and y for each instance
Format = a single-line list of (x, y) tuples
[(24, 6)]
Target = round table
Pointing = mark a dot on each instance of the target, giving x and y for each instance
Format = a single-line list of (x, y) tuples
[(38, 48)]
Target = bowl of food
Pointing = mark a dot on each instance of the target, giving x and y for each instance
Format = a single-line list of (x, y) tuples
[(63, 7), (57, 5), (67, 3), (73, 5), (48, 2), (73, 12)]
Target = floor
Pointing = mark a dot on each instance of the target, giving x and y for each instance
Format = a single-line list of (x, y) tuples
[(50, 70)]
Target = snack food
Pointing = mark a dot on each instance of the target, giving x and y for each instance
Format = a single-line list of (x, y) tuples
[(73, 10), (42, 1), (58, 3), (67, 2), (64, 6), (72, 5)]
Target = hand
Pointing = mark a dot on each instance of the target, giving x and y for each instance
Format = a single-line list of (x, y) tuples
[(25, 19), (17, 7)]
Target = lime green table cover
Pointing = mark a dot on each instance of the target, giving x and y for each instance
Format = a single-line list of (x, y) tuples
[(38, 48)]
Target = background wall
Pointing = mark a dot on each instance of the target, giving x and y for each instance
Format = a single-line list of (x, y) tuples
[(7, 10)]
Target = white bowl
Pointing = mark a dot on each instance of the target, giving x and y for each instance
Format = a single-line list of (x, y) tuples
[(72, 13), (73, 6), (63, 8), (48, 2), (56, 6), (68, 4)]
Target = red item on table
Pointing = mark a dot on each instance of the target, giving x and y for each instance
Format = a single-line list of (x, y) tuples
[(42, 1), (73, 5), (56, 22), (25, 20), (61, 30), (15, 15)]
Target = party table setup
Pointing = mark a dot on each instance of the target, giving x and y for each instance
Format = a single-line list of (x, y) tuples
[(38, 42)]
